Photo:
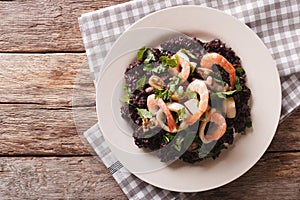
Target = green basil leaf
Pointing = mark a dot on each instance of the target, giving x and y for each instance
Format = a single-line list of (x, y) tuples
[(239, 70), (174, 83), (144, 113), (140, 83), (127, 91), (178, 143), (141, 53), (166, 61), (149, 56), (181, 114), (218, 94), (168, 137), (222, 95), (164, 94), (213, 153), (148, 67), (172, 88), (176, 80), (221, 82), (159, 69), (249, 123), (189, 53), (238, 86), (191, 94), (126, 99), (229, 92)]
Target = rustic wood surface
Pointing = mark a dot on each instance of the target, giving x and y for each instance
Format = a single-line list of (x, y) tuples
[(42, 154)]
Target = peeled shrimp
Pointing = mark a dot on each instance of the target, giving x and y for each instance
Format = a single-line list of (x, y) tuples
[(182, 70), (200, 88), (154, 105), (216, 131), (209, 59), (175, 107), (229, 107)]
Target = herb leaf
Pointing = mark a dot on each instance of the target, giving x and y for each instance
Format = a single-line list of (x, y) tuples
[(140, 83), (166, 61), (141, 53), (148, 67), (249, 123), (222, 95), (238, 86), (178, 143), (127, 91), (191, 94), (159, 69), (189, 53), (181, 114), (168, 137), (147, 54), (239, 70), (221, 82), (206, 151), (176, 80), (165, 94), (174, 83), (144, 113)]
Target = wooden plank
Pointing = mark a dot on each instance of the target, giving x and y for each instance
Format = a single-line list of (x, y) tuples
[(56, 178), (34, 130), (275, 176), (46, 26), (287, 137), (36, 102), (45, 79), (37, 93)]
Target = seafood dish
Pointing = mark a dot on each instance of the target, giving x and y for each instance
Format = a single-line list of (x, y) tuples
[(186, 99)]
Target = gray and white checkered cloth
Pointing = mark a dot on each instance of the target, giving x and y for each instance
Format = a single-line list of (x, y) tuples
[(276, 22)]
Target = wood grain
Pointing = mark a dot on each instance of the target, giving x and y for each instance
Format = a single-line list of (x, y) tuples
[(275, 176), (287, 137), (44, 26), (36, 98), (38, 104), (34, 130), (44, 79), (48, 100), (56, 178)]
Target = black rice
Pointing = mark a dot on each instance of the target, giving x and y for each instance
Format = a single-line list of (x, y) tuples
[(138, 98)]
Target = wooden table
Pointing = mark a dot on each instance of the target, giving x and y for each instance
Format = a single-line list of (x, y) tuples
[(42, 155)]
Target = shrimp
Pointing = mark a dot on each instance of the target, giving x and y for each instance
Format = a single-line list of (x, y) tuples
[(154, 105), (209, 59), (200, 88), (175, 107), (216, 131), (182, 70), (229, 107)]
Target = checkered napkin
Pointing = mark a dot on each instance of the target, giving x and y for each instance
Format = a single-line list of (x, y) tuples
[(276, 22)]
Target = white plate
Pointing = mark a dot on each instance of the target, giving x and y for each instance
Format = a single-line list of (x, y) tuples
[(263, 80)]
